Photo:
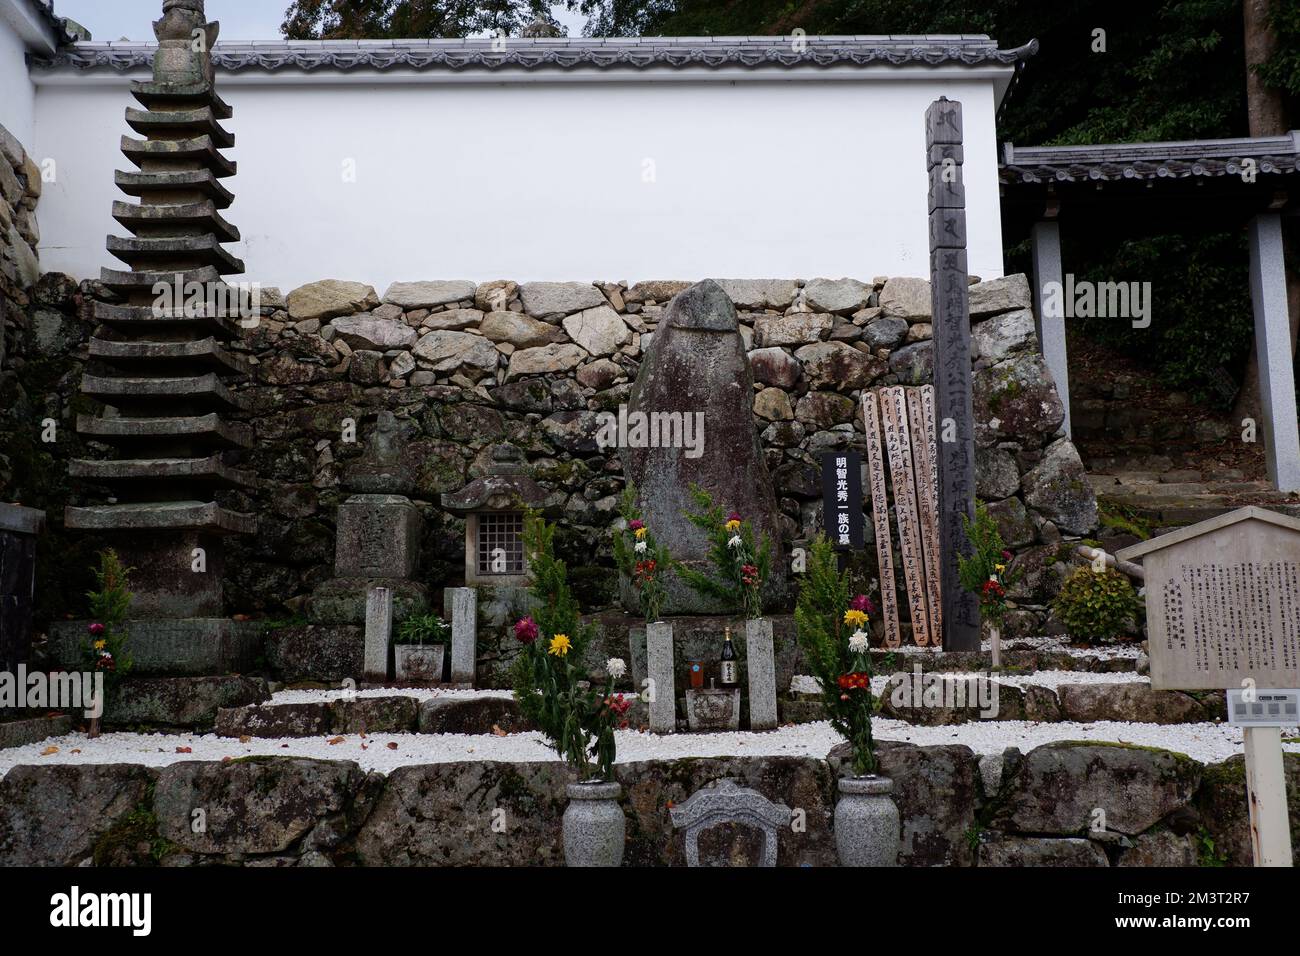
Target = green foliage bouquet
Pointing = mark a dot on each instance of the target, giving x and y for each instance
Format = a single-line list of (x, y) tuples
[(421, 629), (105, 649), (641, 558), (577, 719), (831, 624), (984, 571), (741, 565)]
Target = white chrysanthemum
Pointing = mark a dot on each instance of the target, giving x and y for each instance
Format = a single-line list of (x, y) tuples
[(639, 547), (735, 541), (616, 667), (858, 642)]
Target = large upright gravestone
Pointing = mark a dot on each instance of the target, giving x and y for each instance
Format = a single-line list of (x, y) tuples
[(954, 411), (160, 365), (697, 364)]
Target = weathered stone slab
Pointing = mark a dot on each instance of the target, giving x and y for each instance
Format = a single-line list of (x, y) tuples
[(189, 646), (180, 701), (315, 652), (661, 671), (258, 804), (447, 351), (1059, 786), (519, 330), (426, 295), (378, 537), (461, 606), (559, 298), (1041, 851), (379, 634), (545, 360), (697, 366), (329, 298), (473, 715), (1000, 295), (761, 671)]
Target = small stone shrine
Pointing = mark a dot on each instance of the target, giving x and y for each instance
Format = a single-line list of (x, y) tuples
[(377, 543), (728, 805), (493, 508)]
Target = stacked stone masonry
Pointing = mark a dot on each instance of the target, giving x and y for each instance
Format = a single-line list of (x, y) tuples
[(20, 189), (463, 366)]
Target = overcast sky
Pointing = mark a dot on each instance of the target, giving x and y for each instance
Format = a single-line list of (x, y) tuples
[(240, 19)]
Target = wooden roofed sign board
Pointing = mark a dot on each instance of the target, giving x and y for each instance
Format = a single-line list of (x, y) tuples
[(1223, 612)]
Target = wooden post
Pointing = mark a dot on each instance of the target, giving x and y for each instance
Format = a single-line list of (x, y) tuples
[(955, 417), (880, 519), (1270, 830)]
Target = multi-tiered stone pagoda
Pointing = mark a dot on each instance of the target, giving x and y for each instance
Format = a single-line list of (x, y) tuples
[(160, 365)]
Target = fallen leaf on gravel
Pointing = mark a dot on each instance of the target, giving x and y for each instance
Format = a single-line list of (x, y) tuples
[(75, 750), (498, 731), (49, 750), (392, 745), (227, 759), (335, 740), (185, 750), (244, 738)]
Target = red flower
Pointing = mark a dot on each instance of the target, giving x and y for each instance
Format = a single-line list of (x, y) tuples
[(635, 524), (1006, 555), (644, 571), (96, 629), (525, 630), (734, 516), (854, 680), (749, 575), (862, 603), (993, 588)]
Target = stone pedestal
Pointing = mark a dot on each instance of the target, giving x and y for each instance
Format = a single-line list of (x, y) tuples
[(18, 529), (760, 663), (378, 537), (379, 632), (164, 579), (660, 673), (462, 605), (713, 709)]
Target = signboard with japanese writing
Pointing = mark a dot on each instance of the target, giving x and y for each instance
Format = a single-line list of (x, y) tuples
[(842, 499), (1223, 602)]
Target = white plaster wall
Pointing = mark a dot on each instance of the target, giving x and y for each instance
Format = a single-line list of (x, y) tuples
[(543, 180), (17, 94)]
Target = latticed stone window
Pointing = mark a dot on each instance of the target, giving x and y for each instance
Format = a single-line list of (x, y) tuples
[(500, 542)]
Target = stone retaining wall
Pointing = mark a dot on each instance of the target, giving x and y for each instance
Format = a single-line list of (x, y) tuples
[(20, 188), (463, 366), (1161, 809)]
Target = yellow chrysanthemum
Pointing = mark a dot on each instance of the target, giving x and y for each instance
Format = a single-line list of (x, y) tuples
[(640, 533), (855, 618), (733, 525), (999, 568), (560, 645), (101, 644)]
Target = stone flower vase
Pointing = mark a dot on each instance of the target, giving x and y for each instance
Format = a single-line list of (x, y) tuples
[(418, 662), (866, 822), (593, 825)]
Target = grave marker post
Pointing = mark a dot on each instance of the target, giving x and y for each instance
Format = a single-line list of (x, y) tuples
[(950, 307)]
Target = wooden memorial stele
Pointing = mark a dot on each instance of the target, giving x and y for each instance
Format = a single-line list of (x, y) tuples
[(1223, 612)]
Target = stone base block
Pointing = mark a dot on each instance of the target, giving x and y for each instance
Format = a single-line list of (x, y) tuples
[(163, 580), (180, 701), (471, 715), (17, 733), (378, 537), (185, 646), (343, 600), (315, 652)]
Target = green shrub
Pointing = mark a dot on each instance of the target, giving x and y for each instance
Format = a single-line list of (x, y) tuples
[(1094, 605)]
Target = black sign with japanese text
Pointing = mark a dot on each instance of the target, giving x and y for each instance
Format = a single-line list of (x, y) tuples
[(842, 498)]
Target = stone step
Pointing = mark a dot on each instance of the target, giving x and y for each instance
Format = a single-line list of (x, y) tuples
[(1014, 661), (209, 429), (957, 696), (205, 250), (154, 182), (210, 471), (160, 516), (205, 389), (397, 714), (1178, 512), (145, 320), (30, 730), (153, 95), (200, 216), (199, 120), (158, 357), (199, 149)]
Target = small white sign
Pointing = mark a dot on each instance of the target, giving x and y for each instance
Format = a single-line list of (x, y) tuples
[(1263, 708)]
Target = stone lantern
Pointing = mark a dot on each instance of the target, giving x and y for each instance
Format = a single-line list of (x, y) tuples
[(493, 507)]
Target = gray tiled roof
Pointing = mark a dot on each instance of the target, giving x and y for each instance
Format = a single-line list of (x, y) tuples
[(634, 53), (1179, 160)]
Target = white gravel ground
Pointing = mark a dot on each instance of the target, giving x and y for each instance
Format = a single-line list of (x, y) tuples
[(419, 693), (1044, 643), (1205, 742)]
